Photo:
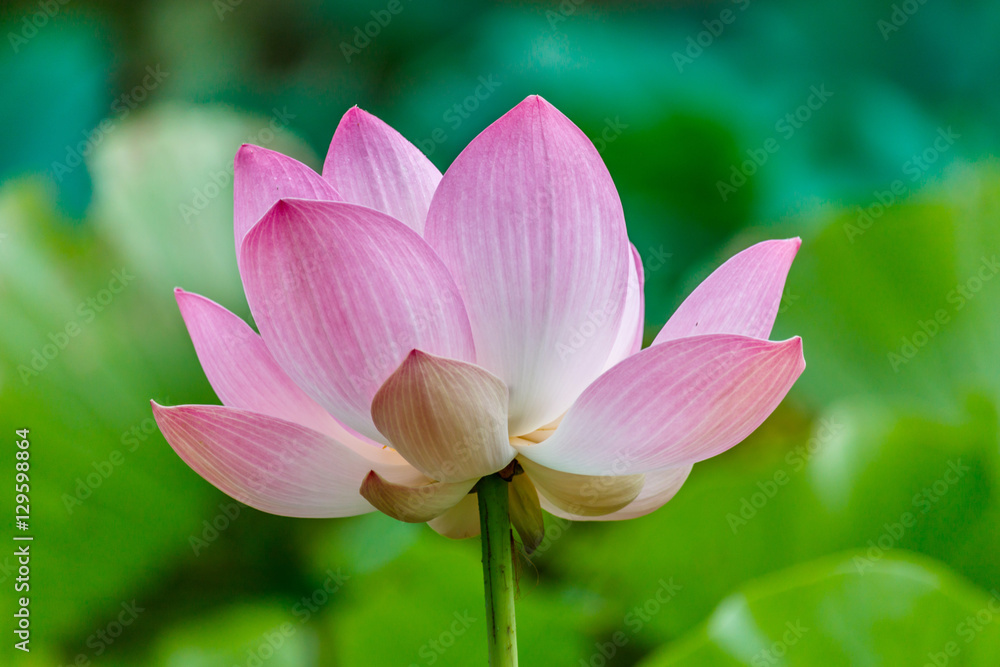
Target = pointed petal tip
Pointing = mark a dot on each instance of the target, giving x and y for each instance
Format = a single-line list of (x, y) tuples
[(794, 243), (538, 106), (287, 204), (372, 481), (417, 356), (788, 247), (282, 205), (370, 163), (792, 348), (182, 295), (356, 112), (161, 412), (168, 411), (537, 100), (187, 301), (262, 176), (358, 116), (796, 341), (350, 114), (164, 415), (788, 346), (273, 214), (533, 104), (246, 153)]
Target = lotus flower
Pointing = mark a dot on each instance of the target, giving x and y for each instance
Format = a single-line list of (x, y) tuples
[(419, 332)]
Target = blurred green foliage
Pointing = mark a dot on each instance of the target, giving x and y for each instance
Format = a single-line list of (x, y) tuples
[(866, 509)]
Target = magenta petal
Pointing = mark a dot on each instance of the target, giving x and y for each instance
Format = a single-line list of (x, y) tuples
[(529, 222), (244, 375), (371, 164), (239, 367), (270, 464), (671, 405), (740, 297), (261, 177), (341, 294)]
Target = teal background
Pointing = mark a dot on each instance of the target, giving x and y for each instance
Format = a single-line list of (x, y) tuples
[(858, 526)]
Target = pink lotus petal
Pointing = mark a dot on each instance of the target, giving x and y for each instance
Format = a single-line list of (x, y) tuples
[(270, 464), (529, 222), (446, 417), (261, 177), (372, 164), (341, 294), (629, 339), (740, 297), (244, 375), (659, 488), (671, 405), (461, 521), (413, 504), (241, 370), (583, 495)]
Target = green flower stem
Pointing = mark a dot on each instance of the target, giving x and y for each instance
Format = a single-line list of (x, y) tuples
[(498, 571)]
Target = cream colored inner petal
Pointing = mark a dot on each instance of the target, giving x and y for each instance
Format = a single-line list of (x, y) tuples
[(447, 418), (584, 495), (461, 521), (413, 504), (526, 512), (538, 435)]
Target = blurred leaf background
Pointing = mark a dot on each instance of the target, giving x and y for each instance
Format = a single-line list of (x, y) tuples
[(860, 525)]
